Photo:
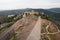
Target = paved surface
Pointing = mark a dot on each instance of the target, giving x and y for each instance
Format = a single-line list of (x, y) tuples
[(36, 32)]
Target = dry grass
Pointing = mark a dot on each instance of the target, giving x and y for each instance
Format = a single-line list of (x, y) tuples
[(55, 36), (52, 28), (44, 23)]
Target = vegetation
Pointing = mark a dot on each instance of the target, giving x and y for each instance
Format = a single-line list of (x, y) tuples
[(14, 36), (53, 15), (53, 37), (4, 28), (43, 30), (44, 37), (19, 17), (44, 16), (6, 19), (52, 27)]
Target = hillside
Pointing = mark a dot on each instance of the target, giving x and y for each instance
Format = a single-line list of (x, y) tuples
[(53, 15), (54, 10), (49, 30), (8, 12)]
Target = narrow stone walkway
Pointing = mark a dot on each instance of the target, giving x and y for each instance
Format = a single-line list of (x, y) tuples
[(36, 32)]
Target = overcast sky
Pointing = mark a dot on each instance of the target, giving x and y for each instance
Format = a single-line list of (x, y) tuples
[(19, 4)]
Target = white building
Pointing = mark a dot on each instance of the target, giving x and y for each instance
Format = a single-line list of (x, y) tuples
[(10, 15)]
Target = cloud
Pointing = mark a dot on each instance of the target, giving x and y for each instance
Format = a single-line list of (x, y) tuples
[(17, 4)]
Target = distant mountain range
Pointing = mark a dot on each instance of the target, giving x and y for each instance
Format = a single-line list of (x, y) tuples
[(54, 10), (19, 11), (54, 15), (8, 12)]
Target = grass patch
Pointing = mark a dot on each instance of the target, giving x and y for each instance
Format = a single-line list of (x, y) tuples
[(53, 37), (43, 30), (4, 28), (52, 28)]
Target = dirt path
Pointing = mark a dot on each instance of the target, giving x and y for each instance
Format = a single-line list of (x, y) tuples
[(35, 33), (25, 32)]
